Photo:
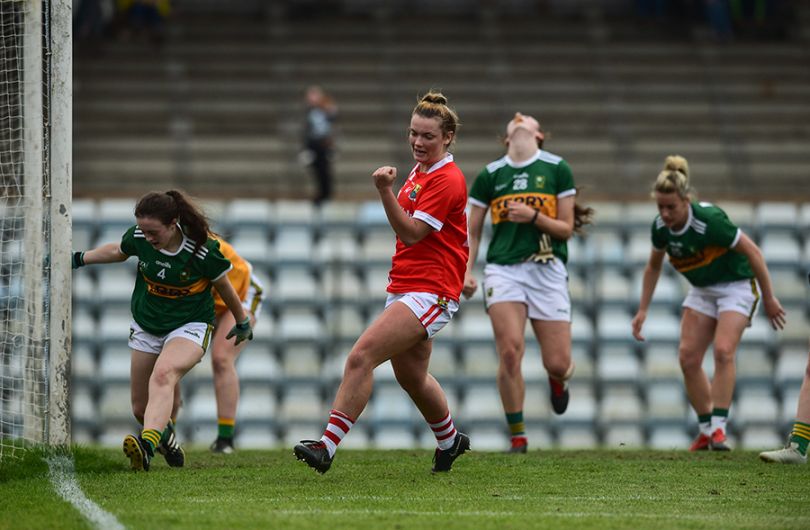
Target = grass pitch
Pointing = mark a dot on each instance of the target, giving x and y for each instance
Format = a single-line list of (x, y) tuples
[(395, 490)]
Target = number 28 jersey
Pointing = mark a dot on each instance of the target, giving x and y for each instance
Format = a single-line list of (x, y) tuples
[(538, 182), (173, 289)]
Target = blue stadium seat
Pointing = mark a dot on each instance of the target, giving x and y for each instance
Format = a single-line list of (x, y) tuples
[(577, 437), (760, 437), (394, 437), (256, 403), (249, 213), (754, 404), (293, 246), (255, 437), (617, 364), (776, 215), (302, 402), (252, 242), (258, 364), (666, 402), (620, 403), (781, 249)]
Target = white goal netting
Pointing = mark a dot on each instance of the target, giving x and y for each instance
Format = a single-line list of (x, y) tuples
[(27, 231)]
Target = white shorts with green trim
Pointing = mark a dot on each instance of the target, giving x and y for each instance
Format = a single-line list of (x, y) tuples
[(197, 332), (741, 296), (543, 287)]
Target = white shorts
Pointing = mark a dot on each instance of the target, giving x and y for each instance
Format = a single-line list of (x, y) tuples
[(741, 296), (197, 332), (543, 287), (254, 297), (432, 311)]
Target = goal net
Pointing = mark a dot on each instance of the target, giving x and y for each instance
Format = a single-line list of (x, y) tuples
[(35, 145)]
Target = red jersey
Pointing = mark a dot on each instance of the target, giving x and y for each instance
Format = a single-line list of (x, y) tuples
[(437, 263)]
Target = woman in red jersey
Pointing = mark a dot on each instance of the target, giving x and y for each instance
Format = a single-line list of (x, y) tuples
[(426, 278)]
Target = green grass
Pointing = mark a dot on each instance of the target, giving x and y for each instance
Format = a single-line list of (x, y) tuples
[(395, 490)]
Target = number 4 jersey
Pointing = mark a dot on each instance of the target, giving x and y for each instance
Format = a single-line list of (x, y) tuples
[(539, 182), (173, 288)]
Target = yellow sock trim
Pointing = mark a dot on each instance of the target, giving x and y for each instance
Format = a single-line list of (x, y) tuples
[(226, 421)]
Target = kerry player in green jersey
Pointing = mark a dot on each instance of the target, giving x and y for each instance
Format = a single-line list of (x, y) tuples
[(728, 276), (172, 311), (531, 196)]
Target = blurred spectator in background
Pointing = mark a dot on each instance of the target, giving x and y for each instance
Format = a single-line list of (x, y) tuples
[(760, 19), (719, 19), (142, 19), (319, 139), (92, 17)]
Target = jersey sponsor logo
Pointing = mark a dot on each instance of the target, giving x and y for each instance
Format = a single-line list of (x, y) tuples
[(544, 202), (695, 261), (414, 191), (173, 291)]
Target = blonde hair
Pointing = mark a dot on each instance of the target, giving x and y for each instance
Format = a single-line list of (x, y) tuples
[(434, 105), (674, 178)]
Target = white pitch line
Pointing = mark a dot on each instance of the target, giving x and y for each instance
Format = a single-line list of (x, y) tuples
[(63, 477)]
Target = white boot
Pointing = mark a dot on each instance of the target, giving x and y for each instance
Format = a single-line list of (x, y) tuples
[(787, 455)]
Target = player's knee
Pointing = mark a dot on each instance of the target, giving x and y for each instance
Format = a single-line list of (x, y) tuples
[(220, 363), (511, 361), (557, 367), (689, 361), (358, 361), (724, 353), (163, 376)]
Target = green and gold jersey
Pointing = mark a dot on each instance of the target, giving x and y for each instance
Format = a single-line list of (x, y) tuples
[(702, 249), (173, 289), (539, 182)]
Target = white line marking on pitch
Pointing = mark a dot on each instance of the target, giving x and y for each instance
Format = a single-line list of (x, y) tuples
[(63, 478)]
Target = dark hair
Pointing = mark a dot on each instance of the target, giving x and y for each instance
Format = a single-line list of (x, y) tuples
[(174, 205), (434, 105)]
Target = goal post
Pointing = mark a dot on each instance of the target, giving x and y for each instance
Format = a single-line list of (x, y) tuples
[(35, 223)]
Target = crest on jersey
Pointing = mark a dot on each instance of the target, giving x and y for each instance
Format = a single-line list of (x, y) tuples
[(184, 275), (540, 181), (441, 302), (414, 191)]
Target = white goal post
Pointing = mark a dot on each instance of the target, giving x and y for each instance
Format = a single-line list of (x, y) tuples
[(35, 223)]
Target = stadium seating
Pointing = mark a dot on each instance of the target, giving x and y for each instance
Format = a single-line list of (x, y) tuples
[(320, 298)]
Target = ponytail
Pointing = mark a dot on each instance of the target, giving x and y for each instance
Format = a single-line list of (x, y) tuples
[(174, 204), (583, 215)]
